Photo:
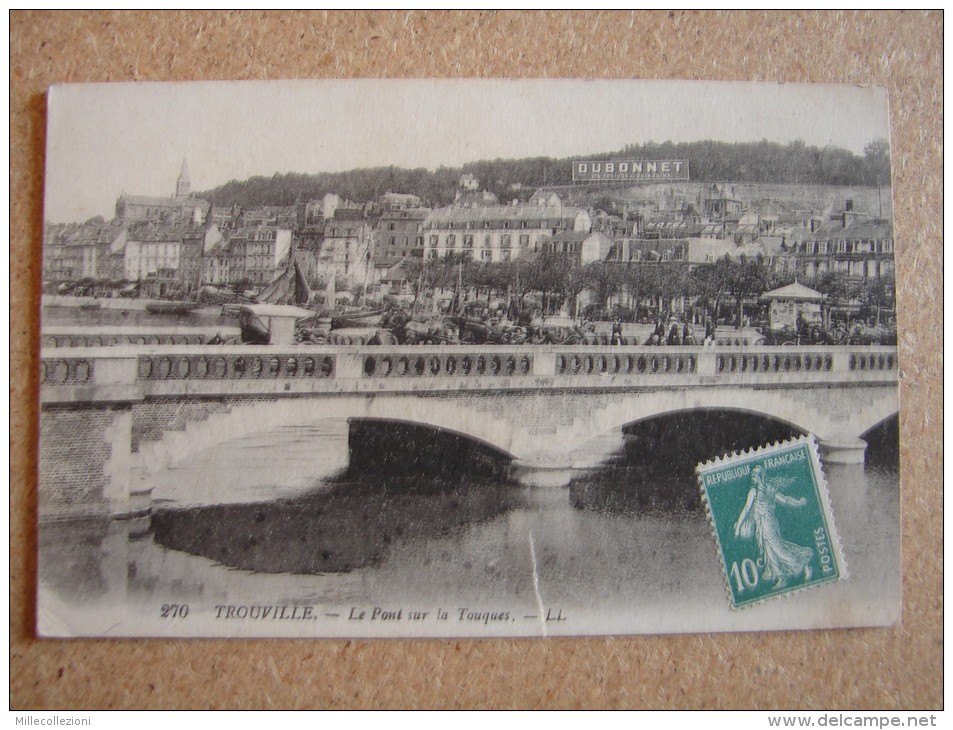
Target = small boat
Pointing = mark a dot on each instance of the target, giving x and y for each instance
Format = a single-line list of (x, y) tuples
[(171, 307), (343, 319), (91, 305)]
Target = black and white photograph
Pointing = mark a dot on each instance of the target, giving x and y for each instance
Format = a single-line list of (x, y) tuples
[(442, 358)]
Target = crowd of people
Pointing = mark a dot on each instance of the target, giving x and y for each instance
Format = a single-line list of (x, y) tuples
[(673, 330)]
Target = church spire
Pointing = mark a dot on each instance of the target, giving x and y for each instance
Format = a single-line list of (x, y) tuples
[(183, 186)]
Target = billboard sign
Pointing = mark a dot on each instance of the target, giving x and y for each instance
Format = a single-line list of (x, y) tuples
[(629, 170)]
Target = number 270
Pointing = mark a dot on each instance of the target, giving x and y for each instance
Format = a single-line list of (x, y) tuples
[(174, 610)]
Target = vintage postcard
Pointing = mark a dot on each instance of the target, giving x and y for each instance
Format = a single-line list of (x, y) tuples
[(440, 358)]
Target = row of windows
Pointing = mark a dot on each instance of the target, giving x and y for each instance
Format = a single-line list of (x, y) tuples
[(506, 240), (405, 241), (159, 249), (500, 224), (484, 255), (153, 263), (866, 269), (843, 246), (675, 254)]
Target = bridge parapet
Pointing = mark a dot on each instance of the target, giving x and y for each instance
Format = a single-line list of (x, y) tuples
[(552, 409), (133, 373), (72, 336)]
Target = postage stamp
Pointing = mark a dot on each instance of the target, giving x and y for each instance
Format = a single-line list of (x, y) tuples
[(771, 516)]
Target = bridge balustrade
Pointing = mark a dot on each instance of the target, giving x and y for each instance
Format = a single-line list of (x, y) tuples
[(784, 362), (656, 361), (105, 336), (455, 363), (872, 361), (130, 372), (66, 371), (213, 367)]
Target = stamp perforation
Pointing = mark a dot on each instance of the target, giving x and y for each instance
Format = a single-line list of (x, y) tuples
[(820, 488)]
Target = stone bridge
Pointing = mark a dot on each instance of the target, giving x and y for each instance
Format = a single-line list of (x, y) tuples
[(113, 417)]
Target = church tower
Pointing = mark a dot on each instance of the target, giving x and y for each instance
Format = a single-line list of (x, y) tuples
[(183, 186)]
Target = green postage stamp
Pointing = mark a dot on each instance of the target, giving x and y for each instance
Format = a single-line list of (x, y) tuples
[(771, 515)]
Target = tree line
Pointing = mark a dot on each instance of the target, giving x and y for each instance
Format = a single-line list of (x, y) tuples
[(710, 161), (639, 290)]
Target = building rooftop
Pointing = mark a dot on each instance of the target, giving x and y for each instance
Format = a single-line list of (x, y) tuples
[(480, 214), (794, 291)]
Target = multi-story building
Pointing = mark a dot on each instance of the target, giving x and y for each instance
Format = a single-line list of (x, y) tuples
[(498, 232), (153, 256), (348, 248), (266, 248), (191, 258), (279, 216), (216, 259), (580, 247), (400, 233), (72, 252), (862, 248), (308, 242), (398, 201)]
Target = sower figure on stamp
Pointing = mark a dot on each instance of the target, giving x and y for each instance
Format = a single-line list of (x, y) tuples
[(782, 559)]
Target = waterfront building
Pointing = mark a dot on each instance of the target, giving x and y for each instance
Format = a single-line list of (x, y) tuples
[(496, 233), (348, 247), (76, 251), (216, 264), (153, 255), (854, 244), (265, 250), (400, 233), (580, 247)]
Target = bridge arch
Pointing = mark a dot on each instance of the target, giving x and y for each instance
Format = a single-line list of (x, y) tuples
[(881, 423), (416, 423), (811, 411)]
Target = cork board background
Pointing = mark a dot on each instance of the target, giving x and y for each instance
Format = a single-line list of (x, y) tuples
[(894, 668)]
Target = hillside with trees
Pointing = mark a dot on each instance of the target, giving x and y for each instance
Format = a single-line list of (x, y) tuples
[(711, 161)]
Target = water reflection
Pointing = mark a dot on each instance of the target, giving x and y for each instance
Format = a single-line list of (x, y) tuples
[(629, 545), (351, 527), (133, 316)]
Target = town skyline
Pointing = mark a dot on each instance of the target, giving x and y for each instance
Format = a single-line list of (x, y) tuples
[(99, 148)]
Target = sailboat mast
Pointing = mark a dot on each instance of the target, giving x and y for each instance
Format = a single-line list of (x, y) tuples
[(420, 286)]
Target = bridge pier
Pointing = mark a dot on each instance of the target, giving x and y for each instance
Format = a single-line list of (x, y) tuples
[(540, 473), (843, 451), (85, 463), (543, 469)]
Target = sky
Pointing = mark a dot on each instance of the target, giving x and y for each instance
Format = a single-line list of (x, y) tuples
[(105, 139)]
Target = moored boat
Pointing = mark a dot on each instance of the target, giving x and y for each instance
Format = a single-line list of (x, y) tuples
[(171, 307), (343, 319)]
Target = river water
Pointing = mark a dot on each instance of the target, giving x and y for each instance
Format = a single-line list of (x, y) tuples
[(384, 530), (134, 315)]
